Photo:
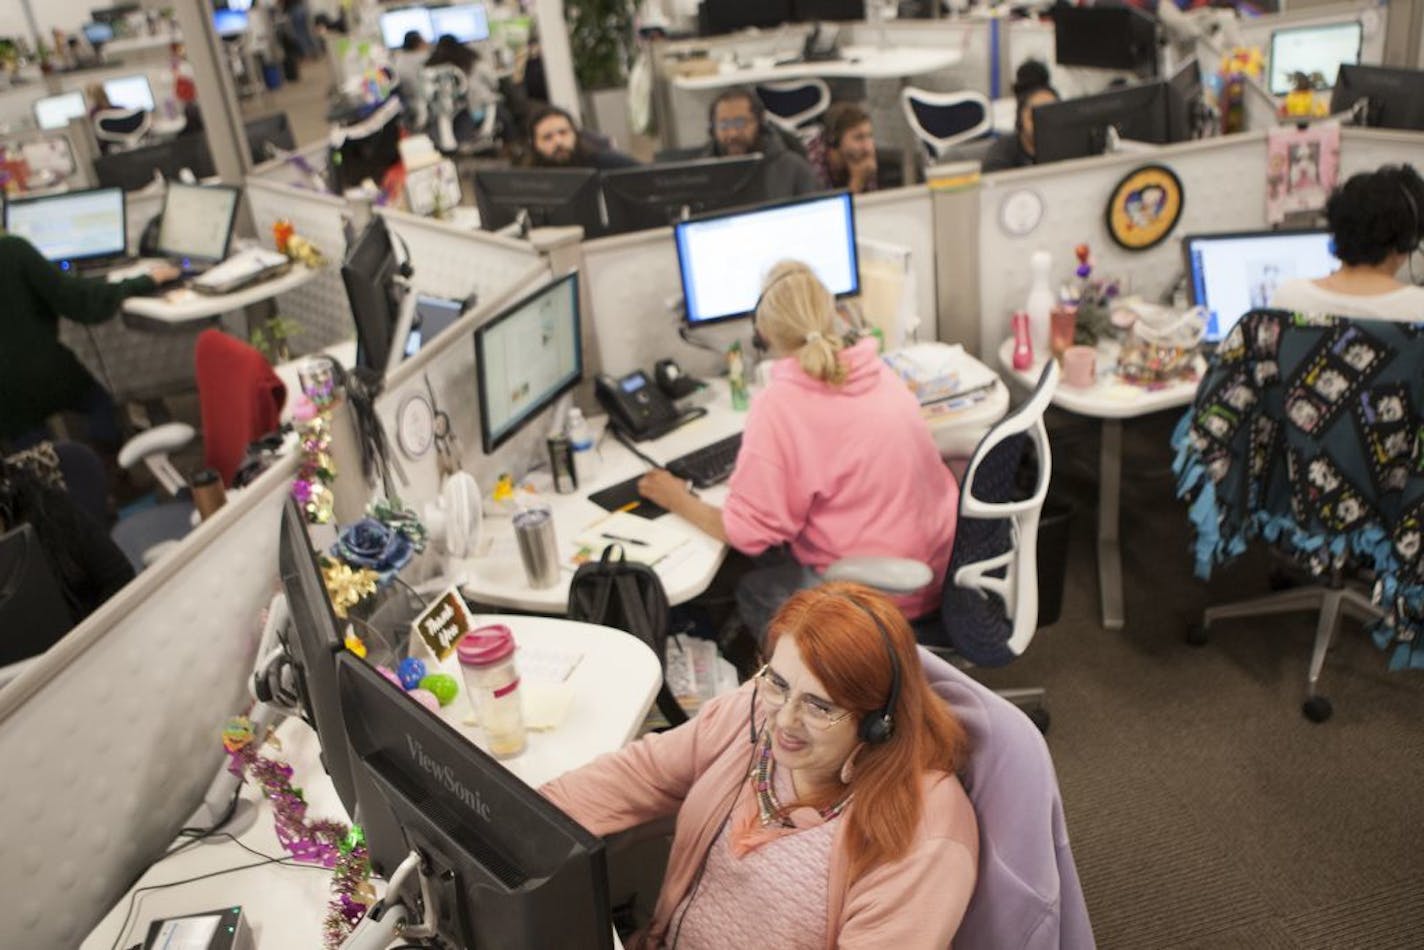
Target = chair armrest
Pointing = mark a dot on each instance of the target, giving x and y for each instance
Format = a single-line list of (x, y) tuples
[(894, 575), (168, 437)]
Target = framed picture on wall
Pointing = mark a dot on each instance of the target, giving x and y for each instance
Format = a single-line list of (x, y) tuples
[(1144, 208)]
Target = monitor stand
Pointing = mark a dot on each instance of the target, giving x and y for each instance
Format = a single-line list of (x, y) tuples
[(405, 318), (383, 920), (1116, 145)]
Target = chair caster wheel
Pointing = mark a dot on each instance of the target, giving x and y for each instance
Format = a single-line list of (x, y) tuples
[(1198, 635), (1039, 716), (1317, 709)]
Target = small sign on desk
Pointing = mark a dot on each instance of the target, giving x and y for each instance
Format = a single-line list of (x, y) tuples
[(442, 624)]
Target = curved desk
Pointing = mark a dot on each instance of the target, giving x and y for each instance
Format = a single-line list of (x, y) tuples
[(856, 62), (613, 686), (185, 309)]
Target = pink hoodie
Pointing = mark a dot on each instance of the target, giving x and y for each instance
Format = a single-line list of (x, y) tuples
[(845, 470)]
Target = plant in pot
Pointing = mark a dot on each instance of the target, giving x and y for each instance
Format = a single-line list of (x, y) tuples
[(600, 40)]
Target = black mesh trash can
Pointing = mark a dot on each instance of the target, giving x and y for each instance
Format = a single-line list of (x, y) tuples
[(1053, 526)]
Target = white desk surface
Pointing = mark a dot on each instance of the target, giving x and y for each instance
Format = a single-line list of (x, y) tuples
[(179, 307), (1109, 397), (856, 62), (343, 352), (614, 685)]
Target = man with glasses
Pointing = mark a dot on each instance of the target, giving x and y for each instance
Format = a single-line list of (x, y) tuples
[(738, 126)]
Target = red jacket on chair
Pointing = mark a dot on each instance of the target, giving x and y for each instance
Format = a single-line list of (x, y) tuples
[(241, 399)]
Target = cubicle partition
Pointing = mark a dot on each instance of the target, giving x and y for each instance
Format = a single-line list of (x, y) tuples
[(111, 737), (455, 262)]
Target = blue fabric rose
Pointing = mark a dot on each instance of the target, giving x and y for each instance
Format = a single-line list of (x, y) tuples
[(370, 544)]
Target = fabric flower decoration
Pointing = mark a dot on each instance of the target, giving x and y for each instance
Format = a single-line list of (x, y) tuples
[(374, 546)]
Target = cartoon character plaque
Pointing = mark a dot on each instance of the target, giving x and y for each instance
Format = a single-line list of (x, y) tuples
[(1144, 207)]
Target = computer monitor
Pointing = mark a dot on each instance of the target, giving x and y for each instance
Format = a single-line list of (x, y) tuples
[(467, 22), (54, 112), (503, 865), (1395, 97), (433, 316), (369, 273), (526, 357), (97, 33), (1232, 273), (654, 196), (112, 15), (196, 225), (274, 130), (550, 196), (1076, 128), (1185, 108), (395, 24), (1105, 38), (724, 258), (229, 22), (1319, 49), (728, 16), (819, 10), (129, 92), (133, 169), (312, 643), (72, 227)]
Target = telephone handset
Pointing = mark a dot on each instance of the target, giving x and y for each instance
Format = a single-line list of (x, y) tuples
[(635, 406)]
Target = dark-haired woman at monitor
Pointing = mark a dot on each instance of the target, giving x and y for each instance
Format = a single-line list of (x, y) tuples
[(1031, 90), (1375, 226), (800, 824)]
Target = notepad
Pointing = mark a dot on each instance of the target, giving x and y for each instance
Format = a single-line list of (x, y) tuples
[(642, 540)]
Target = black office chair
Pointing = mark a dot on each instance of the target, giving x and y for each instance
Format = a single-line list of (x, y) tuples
[(942, 120), (33, 611), (795, 104)]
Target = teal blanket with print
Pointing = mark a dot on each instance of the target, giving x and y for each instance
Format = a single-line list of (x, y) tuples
[(1308, 432)]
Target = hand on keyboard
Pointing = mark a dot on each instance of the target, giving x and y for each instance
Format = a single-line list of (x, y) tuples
[(709, 465)]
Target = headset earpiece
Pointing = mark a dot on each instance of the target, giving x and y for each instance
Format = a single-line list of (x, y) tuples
[(878, 725), (1415, 234)]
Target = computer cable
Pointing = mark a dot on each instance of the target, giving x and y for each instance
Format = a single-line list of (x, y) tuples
[(685, 333)]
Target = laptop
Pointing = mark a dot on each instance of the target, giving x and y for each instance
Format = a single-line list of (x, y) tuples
[(195, 229), (1231, 273), (81, 231)]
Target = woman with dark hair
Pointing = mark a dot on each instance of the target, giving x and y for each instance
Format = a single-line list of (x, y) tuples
[(843, 155), (483, 85), (1031, 89), (1376, 227), (817, 806)]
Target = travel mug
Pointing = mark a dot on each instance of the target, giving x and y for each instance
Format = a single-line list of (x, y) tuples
[(534, 531)]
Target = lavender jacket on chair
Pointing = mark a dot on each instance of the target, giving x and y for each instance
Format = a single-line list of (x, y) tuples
[(1028, 895)]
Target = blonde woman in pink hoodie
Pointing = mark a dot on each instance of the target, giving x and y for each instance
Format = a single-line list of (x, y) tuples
[(836, 460), (817, 807)]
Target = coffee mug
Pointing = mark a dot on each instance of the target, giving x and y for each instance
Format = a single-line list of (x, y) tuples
[(1080, 366)]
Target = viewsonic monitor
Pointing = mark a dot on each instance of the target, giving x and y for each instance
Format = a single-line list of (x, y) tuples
[(369, 273), (314, 643), (54, 112), (72, 228), (724, 258), (504, 866), (467, 22), (395, 24), (1232, 273), (654, 196), (1395, 97), (1313, 49), (1076, 128), (526, 357), (550, 197), (129, 92), (1119, 37)]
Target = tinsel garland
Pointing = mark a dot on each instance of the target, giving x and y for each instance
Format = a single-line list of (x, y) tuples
[(331, 844), (312, 415)]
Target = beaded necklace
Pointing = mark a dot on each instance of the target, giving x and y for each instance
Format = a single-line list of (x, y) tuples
[(768, 808)]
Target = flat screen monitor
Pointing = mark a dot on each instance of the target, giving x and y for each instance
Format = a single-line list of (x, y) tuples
[(54, 112), (724, 258), (1232, 273), (229, 22), (1105, 38), (129, 92), (133, 169), (1319, 49), (550, 197), (467, 22), (369, 273), (1076, 128), (273, 130), (1184, 102), (313, 642), (113, 15), (73, 227), (1395, 97), (805, 10), (196, 225), (433, 316), (526, 357), (654, 196), (395, 24), (728, 16), (98, 33), (505, 867)]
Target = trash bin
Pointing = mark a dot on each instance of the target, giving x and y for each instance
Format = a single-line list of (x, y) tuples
[(1053, 526), (272, 75)]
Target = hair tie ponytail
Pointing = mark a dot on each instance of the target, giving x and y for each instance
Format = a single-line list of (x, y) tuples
[(814, 336)]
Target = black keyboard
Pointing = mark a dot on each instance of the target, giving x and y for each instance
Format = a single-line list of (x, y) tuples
[(709, 465)]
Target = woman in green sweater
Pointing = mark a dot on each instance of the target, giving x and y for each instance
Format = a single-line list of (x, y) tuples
[(39, 376)]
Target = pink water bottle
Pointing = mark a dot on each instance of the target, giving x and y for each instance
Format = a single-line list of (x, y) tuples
[(1023, 343)]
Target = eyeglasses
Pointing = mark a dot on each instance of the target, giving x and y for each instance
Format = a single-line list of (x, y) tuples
[(738, 123), (776, 693)]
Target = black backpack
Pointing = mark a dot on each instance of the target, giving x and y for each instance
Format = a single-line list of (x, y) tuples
[(628, 596)]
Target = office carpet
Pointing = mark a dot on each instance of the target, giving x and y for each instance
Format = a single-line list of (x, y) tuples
[(1204, 809)]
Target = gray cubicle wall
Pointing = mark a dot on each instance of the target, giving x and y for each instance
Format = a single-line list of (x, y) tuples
[(110, 739), (456, 262)]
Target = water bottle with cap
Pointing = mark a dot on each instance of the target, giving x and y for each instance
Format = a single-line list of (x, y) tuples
[(581, 440)]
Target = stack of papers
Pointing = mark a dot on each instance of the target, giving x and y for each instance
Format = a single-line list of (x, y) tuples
[(694, 673), (936, 371), (645, 541)]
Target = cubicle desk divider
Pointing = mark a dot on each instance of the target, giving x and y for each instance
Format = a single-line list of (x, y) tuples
[(1223, 181), (110, 739), (905, 216), (456, 262)]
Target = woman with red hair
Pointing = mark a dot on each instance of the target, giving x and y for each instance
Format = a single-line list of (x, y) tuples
[(817, 806)]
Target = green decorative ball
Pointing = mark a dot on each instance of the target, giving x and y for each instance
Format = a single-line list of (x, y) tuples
[(443, 685)]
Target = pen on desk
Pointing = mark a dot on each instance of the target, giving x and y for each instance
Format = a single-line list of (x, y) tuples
[(619, 537)]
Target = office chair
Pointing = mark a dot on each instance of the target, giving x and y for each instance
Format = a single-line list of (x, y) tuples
[(1028, 893), (445, 91), (1303, 433), (33, 611), (791, 105), (989, 608), (941, 120), (122, 128)]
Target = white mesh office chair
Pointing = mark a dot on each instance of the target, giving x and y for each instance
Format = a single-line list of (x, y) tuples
[(941, 120), (989, 610), (445, 90), (122, 128), (791, 105)]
